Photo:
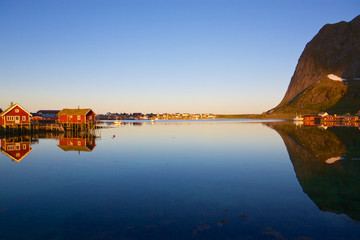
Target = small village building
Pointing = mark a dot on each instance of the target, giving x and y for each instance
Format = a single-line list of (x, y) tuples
[(348, 118), (76, 115), (15, 116), (137, 115), (313, 118), (36, 117), (77, 119), (48, 114), (328, 118), (16, 148)]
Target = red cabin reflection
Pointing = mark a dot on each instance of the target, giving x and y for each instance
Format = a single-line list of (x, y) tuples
[(77, 143), (16, 148)]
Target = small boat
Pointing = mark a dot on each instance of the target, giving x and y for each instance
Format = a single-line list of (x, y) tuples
[(117, 122), (298, 118)]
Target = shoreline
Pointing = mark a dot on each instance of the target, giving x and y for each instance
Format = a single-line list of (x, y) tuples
[(254, 116)]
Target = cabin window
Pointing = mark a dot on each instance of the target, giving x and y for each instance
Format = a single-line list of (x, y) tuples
[(79, 143), (90, 117), (10, 147), (17, 147), (18, 155), (24, 118), (79, 117), (24, 146), (16, 110), (10, 118)]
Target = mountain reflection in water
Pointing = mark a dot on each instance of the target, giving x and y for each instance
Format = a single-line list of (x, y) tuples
[(326, 165)]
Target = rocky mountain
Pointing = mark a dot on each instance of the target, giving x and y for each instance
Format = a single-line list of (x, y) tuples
[(327, 76)]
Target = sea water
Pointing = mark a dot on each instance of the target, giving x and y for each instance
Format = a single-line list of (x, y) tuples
[(183, 180)]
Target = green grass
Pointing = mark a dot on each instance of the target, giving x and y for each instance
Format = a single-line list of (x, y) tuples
[(327, 95)]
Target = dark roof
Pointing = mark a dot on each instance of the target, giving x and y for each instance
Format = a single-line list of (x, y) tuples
[(49, 111), (77, 111)]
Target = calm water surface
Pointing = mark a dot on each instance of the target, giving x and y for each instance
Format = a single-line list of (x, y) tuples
[(183, 180)]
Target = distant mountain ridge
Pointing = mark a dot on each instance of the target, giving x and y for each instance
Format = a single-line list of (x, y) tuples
[(327, 76)]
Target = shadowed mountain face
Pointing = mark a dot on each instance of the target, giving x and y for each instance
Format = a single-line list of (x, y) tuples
[(327, 165), (331, 56)]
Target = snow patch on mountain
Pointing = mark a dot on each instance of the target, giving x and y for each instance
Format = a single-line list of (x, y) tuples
[(336, 78)]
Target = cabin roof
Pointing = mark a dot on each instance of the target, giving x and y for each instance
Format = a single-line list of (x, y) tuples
[(11, 108), (48, 111), (76, 111)]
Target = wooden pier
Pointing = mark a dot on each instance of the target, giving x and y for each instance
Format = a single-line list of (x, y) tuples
[(31, 128)]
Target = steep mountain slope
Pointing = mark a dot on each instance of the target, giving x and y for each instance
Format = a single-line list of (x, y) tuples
[(327, 72)]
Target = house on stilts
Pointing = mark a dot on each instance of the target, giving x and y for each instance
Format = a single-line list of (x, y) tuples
[(77, 119)]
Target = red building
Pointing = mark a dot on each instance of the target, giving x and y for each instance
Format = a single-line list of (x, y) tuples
[(329, 118), (349, 118), (37, 118), (314, 118), (15, 115), (48, 114), (76, 116), (16, 148)]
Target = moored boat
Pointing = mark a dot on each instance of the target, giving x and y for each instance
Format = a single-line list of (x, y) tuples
[(298, 118), (117, 122)]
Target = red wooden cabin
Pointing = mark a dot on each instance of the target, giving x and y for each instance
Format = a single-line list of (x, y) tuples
[(16, 149), (350, 118), (328, 118), (15, 115), (76, 116), (314, 118)]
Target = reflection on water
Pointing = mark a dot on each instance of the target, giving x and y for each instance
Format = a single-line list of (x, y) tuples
[(183, 180), (76, 142), (326, 165), (17, 148)]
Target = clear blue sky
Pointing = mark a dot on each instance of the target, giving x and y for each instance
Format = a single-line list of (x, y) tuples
[(156, 56)]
